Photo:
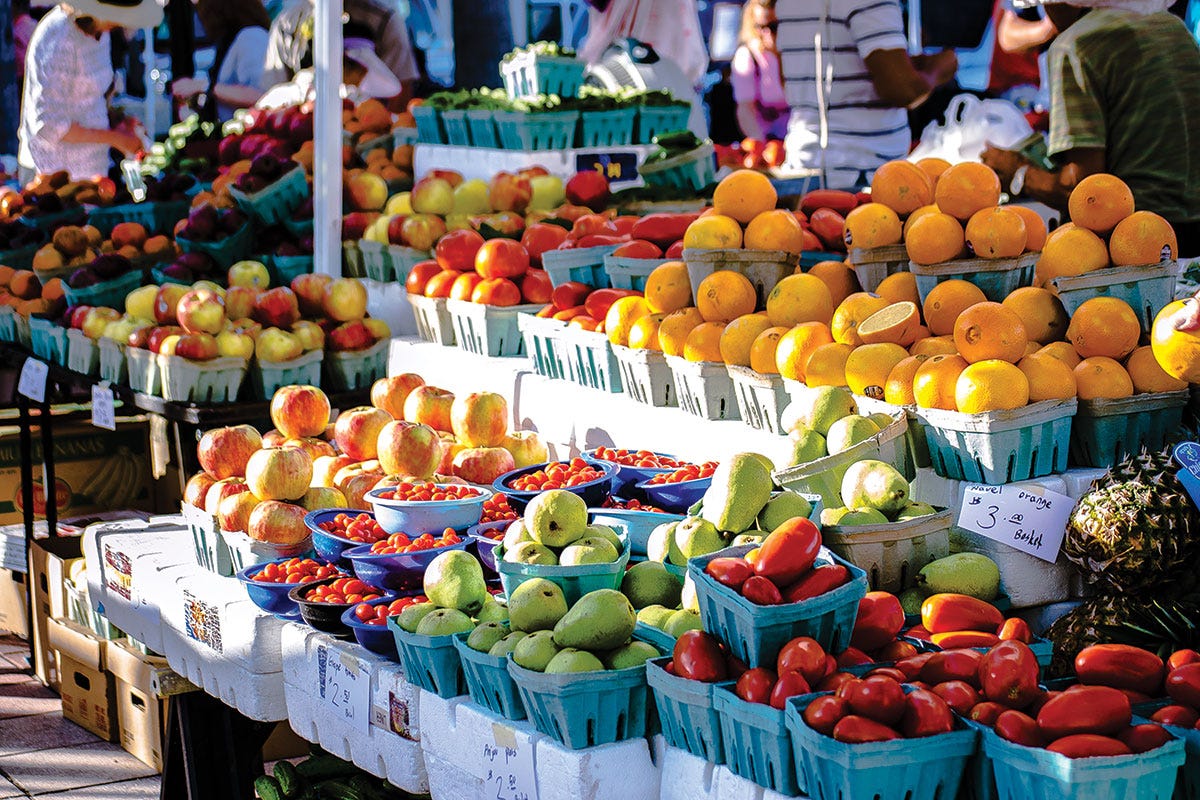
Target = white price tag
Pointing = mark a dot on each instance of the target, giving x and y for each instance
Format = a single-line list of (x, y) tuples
[(346, 686), (32, 382), (508, 766), (1031, 519), (104, 412)]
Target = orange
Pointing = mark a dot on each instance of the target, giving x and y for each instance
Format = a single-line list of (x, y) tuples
[(1177, 351), (1035, 227), (743, 195), (1032, 347), (899, 387), (933, 167), (996, 233), (621, 316), (774, 230), (916, 215), (987, 331), (713, 232), (1042, 312), (966, 188), (827, 365), (668, 288), (901, 186), (934, 346), (644, 333), (1099, 202), (704, 342), (799, 298), (852, 311), (868, 367), (1142, 238), (1104, 326), (934, 238), (739, 336), (1049, 378), (935, 382), (1102, 378), (898, 287), (838, 277), (1063, 351), (762, 351), (872, 225), (674, 329), (897, 323), (725, 295), (797, 345), (991, 385), (1148, 376), (1070, 252), (946, 301)]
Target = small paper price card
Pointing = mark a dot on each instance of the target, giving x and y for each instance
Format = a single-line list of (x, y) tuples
[(32, 383), (104, 412), (508, 766), (346, 686), (1031, 519)]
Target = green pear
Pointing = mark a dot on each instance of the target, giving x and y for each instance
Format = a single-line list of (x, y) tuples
[(825, 405), (971, 574), (849, 431), (536, 605), (791, 418), (747, 538), (862, 516), (411, 616), (740, 487), (649, 584), (492, 611), (515, 534), (874, 484), (571, 660), (535, 651), (911, 600), (485, 636), (658, 545), (655, 616), (682, 621), (767, 463), (454, 579), (505, 646), (695, 536), (600, 620), (880, 419), (807, 445), (833, 516), (606, 533), (444, 622), (914, 510), (556, 518), (782, 507), (531, 553), (688, 598), (588, 550), (633, 654)]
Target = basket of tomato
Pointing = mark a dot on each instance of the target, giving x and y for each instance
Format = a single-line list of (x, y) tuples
[(678, 490), (268, 584), (368, 622), (398, 562), (322, 603), (335, 530), (417, 507), (633, 467), (591, 480)]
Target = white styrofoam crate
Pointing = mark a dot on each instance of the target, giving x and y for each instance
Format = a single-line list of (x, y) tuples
[(449, 781), (686, 777), (258, 695)]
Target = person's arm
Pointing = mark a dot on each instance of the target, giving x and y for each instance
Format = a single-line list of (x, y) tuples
[(906, 82), (1051, 188), (232, 94), (394, 48), (743, 78), (241, 85), (126, 142), (1016, 35)]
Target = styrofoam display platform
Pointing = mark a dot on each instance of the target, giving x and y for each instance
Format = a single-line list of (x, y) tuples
[(388, 301), (383, 737), (484, 162), (689, 777)]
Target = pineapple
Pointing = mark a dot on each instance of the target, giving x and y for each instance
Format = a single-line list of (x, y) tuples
[(1160, 626)]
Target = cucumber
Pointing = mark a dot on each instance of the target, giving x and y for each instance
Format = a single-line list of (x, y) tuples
[(267, 788), (319, 768), (289, 779), (340, 790)]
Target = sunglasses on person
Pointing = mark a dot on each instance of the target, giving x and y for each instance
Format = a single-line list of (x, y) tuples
[(773, 27)]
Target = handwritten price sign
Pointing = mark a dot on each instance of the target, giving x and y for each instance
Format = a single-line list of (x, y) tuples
[(508, 766), (1031, 519), (346, 686)]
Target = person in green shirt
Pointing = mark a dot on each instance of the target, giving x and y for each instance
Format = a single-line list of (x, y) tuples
[(1124, 81)]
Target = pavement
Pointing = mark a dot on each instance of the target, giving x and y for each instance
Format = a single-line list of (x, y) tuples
[(44, 755)]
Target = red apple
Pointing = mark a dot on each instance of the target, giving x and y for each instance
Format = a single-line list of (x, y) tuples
[(223, 452), (421, 231), (589, 188), (355, 488), (456, 250), (353, 335), (508, 192), (526, 447), (479, 419), (395, 229), (345, 299), (409, 448), (450, 449), (281, 473), (432, 196), (239, 302), (233, 513), (273, 438), (448, 175), (222, 489), (300, 411), (277, 308), (278, 523), (194, 347), (315, 448), (201, 311), (165, 303), (197, 487), (390, 393), (325, 468), (155, 339), (310, 293), (321, 497), (78, 316), (357, 431), (430, 406), (483, 464)]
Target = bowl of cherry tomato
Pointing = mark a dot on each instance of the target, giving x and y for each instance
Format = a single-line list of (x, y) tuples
[(633, 466), (368, 622), (268, 584), (322, 603), (336, 530), (419, 507), (398, 562), (680, 489), (589, 479), (486, 536)]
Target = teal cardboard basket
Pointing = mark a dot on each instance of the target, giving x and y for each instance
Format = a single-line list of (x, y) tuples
[(429, 126), (1187, 783), (693, 170), (612, 128), (48, 340), (574, 581), (431, 662), (226, 252), (653, 120), (686, 713), (352, 370), (630, 273), (284, 269), (582, 265), (21, 257), (488, 681), (634, 525), (589, 359), (756, 742), (274, 204), (528, 74), (542, 345), (997, 278), (1106, 432), (155, 217), (106, 293), (458, 132), (550, 130), (482, 123), (1146, 289), (268, 376)]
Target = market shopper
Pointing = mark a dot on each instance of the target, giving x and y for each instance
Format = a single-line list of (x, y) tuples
[(849, 81), (1021, 36), (68, 74), (363, 75), (1124, 80), (757, 75), (238, 28)]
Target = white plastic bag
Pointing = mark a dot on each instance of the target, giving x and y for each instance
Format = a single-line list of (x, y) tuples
[(971, 124)]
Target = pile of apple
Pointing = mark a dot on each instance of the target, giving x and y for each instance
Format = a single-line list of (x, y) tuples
[(784, 569), (495, 272)]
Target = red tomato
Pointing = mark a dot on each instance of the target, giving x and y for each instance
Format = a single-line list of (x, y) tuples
[(824, 713), (895, 650), (847, 688), (540, 237), (599, 301), (943, 613), (675, 251), (833, 681), (987, 712), (536, 287), (955, 639), (1088, 745), (879, 698), (592, 224), (952, 665), (1144, 738), (570, 294), (457, 249), (1087, 709), (789, 685), (880, 619), (1019, 728), (789, 551), (959, 695), (857, 730), (1015, 628), (501, 258), (1121, 667), (731, 572), (441, 284), (889, 672), (804, 655), (761, 591), (638, 248), (464, 284), (1179, 716), (1008, 674), (925, 714), (496, 292), (912, 665), (419, 275), (1181, 657), (698, 657), (1183, 685), (852, 657), (754, 685)]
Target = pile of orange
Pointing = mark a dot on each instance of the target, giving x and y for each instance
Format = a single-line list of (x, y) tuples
[(743, 215)]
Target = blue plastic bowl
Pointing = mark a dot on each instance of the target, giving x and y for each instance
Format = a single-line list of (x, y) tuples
[(415, 517), (594, 492), (636, 525), (484, 546), (675, 497), (328, 546), (395, 572), (376, 638), (627, 478), (271, 597)]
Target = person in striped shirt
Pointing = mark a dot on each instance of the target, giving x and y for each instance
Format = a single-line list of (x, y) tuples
[(849, 81)]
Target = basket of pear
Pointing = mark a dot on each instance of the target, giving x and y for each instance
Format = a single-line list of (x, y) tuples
[(425, 632), (580, 673), (553, 540)]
